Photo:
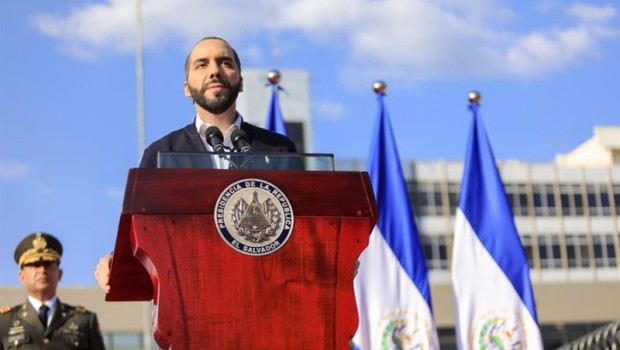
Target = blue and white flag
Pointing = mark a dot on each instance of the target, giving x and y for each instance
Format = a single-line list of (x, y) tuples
[(494, 302), (275, 121), (391, 287)]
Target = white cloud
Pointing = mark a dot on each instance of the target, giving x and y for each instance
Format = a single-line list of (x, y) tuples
[(591, 13), (538, 53), (397, 40), (331, 111), (111, 25), (11, 170)]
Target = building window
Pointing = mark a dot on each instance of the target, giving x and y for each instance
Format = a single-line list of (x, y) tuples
[(544, 200), (572, 200), (528, 245), (453, 196), (296, 133), (617, 198), (426, 197), (577, 251), (435, 251), (604, 251), (517, 197), (598, 200), (549, 252)]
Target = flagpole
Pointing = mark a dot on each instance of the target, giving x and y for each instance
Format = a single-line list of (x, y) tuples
[(140, 81), (146, 308)]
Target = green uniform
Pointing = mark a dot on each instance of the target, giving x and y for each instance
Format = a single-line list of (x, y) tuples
[(70, 328)]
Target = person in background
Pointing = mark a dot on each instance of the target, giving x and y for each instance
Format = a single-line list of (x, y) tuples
[(43, 321)]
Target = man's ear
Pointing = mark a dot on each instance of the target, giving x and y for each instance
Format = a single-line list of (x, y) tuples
[(240, 84), (22, 275), (186, 89), (59, 274)]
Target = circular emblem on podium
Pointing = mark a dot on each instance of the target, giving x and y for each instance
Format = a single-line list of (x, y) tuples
[(254, 217)]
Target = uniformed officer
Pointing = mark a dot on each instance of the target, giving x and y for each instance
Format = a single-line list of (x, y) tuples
[(43, 321)]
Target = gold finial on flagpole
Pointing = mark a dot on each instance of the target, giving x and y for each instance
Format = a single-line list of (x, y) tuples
[(379, 87), (274, 76), (474, 96)]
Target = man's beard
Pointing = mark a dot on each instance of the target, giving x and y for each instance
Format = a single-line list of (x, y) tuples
[(223, 99)]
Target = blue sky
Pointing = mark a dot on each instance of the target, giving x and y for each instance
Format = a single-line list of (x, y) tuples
[(548, 72)]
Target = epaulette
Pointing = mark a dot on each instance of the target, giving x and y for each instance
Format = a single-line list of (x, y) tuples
[(81, 309), (4, 310)]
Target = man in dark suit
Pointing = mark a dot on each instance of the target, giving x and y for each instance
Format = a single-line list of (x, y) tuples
[(43, 321), (213, 81)]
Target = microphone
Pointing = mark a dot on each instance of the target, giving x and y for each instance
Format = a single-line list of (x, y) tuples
[(215, 138), (240, 139)]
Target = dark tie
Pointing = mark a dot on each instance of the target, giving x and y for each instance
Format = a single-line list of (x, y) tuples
[(43, 314)]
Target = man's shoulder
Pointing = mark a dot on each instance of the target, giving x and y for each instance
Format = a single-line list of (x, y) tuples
[(76, 309), (268, 138), (168, 140), (11, 310), (8, 314), (184, 139), (5, 310)]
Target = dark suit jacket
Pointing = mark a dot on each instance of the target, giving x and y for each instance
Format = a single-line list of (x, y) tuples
[(187, 140), (70, 328)]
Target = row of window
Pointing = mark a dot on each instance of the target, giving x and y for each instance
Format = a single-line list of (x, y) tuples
[(543, 252), (433, 198)]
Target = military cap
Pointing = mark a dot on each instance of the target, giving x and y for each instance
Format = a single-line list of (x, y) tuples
[(38, 246)]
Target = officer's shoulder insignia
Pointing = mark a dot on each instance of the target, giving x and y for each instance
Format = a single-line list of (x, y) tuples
[(80, 309), (4, 310)]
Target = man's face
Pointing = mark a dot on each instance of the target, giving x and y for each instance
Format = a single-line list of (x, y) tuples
[(40, 278), (213, 79)]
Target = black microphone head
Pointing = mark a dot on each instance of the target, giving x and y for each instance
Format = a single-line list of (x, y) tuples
[(215, 138), (240, 139)]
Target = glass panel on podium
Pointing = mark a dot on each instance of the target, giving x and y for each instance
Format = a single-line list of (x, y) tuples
[(236, 160)]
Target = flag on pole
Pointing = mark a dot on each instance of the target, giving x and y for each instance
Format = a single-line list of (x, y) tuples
[(391, 286), (275, 121), (493, 298)]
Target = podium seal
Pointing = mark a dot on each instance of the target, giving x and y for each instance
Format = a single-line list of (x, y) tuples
[(254, 217)]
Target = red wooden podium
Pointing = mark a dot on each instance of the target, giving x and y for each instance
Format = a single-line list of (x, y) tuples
[(211, 296)]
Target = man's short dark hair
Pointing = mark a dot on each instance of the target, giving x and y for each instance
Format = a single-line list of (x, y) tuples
[(235, 56)]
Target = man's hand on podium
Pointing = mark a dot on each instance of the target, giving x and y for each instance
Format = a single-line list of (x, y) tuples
[(102, 272)]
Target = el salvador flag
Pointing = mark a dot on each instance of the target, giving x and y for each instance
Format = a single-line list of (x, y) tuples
[(391, 287), (494, 303), (275, 121)]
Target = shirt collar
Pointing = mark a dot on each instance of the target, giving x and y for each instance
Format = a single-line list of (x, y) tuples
[(36, 303), (201, 126)]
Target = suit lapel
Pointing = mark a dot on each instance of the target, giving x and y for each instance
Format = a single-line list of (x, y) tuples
[(248, 131), (29, 315), (194, 139)]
